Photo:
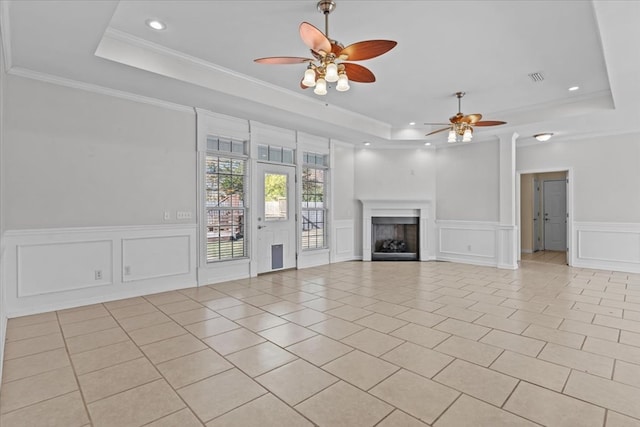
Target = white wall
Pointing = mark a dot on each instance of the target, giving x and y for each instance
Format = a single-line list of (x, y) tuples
[(87, 178), (404, 174), (606, 174), (393, 174), (77, 158), (468, 177), (3, 311), (346, 240), (605, 217)]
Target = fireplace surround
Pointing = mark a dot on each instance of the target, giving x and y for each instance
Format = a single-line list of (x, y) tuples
[(398, 217)]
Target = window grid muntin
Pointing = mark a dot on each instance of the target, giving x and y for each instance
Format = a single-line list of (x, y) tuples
[(225, 165), (276, 154), (314, 211)]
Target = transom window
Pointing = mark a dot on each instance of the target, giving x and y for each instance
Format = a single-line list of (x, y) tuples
[(275, 154)]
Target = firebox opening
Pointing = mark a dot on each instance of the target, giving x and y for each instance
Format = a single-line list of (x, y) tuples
[(394, 238)]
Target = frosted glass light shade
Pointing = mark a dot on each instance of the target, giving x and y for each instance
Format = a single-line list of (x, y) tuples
[(321, 87), (452, 136), (331, 73), (309, 78), (343, 83), (466, 136)]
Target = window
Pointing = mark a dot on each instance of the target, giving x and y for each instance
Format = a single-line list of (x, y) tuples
[(275, 154), (225, 192), (275, 197), (314, 212)]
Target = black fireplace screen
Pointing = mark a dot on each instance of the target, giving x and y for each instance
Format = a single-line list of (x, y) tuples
[(394, 238)]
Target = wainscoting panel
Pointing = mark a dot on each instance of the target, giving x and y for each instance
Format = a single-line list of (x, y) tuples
[(343, 240), (152, 257), (609, 246), (468, 242), (54, 269), (313, 258)]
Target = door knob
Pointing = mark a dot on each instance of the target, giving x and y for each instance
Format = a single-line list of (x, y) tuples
[(260, 227)]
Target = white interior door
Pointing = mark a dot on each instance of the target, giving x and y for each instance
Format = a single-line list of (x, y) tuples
[(537, 220), (555, 215), (276, 217)]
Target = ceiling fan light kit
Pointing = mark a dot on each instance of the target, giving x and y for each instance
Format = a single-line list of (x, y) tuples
[(461, 127), (328, 63)]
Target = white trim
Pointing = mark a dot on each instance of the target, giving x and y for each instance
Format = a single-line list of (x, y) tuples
[(571, 256), (3, 306), (73, 283), (71, 230), (264, 134), (48, 78), (119, 41), (606, 239), (496, 242), (220, 125), (422, 209), (5, 34), (312, 143)]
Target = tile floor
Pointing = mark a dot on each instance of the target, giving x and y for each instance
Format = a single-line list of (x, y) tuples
[(549, 257), (350, 344)]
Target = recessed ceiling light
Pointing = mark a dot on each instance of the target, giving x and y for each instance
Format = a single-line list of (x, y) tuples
[(412, 123), (155, 24), (542, 137), (572, 88), (427, 144), (367, 143)]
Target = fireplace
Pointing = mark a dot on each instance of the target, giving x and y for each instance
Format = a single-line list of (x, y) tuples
[(397, 230), (394, 238)]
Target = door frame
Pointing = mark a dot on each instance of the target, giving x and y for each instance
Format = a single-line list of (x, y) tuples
[(537, 243), (255, 201), (570, 208)]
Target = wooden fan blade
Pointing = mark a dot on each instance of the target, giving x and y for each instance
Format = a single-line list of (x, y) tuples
[(489, 123), (438, 131), (471, 118), (358, 73), (436, 124), (278, 60), (367, 49), (314, 38), (336, 49), (457, 118)]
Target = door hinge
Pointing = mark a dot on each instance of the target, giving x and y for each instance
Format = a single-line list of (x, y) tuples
[(567, 180)]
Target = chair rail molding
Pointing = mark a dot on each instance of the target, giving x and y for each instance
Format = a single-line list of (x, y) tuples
[(52, 269)]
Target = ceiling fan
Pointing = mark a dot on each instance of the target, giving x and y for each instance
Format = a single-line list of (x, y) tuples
[(461, 125), (329, 56)]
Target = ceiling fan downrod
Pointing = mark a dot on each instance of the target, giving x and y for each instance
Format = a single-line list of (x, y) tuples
[(460, 95), (326, 7)]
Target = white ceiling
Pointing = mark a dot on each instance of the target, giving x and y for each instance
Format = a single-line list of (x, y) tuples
[(487, 48)]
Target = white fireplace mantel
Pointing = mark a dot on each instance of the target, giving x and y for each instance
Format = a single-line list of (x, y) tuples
[(422, 209)]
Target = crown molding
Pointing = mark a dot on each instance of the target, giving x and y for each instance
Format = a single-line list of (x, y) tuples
[(117, 45), (49, 78)]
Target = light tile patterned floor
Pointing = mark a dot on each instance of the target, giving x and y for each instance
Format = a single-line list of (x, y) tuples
[(349, 344), (549, 257)]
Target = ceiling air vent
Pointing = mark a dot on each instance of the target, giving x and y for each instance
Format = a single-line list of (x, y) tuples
[(536, 77)]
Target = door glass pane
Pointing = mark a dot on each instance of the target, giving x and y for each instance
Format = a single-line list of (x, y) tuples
[(275, 197)]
